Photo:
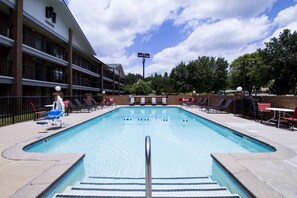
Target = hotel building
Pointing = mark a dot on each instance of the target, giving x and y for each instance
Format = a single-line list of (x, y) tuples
[(42, 46)]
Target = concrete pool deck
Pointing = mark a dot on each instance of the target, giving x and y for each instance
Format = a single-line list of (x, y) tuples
[(264, 174)]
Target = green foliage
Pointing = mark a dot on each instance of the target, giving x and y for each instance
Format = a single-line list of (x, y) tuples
[(157, 83), (205, 74), (248, 71), (280, 56), (141, 88), (132, 79)]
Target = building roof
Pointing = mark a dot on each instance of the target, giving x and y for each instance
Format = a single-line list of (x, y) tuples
[(118, 67)]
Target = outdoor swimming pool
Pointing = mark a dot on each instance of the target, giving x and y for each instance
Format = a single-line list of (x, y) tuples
[(181, 143)]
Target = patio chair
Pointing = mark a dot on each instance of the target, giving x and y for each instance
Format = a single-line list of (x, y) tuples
[(164, 101), (132, 101), (142, 101), (181, 101), (198, 102), (109, 102), (291, 118), (81, 106), (101, 105), (262, 111), (154, 101), (203, 103), (37, 111), (226, 106), (92, 106), (216, 106)]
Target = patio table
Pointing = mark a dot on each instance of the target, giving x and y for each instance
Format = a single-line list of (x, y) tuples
[(277, 114)]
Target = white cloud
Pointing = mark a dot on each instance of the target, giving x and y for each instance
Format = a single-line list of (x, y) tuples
[(227, 38), (111, 26), (196, 10), (228, 28), (286, 16), (285, 19)]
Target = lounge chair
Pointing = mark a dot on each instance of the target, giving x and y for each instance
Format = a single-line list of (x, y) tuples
[(101, 105), (291, 119), (154, 101), (142, 101), (198, 102), (216, 106), (132, 101), (203, 103), (226, 106), (80, 106), (164, 101), (92, 106)]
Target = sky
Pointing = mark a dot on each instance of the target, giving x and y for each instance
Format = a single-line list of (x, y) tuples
[(172, 31)]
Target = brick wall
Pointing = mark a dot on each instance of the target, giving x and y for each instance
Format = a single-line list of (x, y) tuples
[(276, 101)]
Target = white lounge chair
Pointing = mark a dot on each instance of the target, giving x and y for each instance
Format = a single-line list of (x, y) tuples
[(164, 101), (142, 101), (154, 101), (132, 101)]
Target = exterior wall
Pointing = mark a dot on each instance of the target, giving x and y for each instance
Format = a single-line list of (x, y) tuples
[(276, 101), (282, 101), (48, 51)]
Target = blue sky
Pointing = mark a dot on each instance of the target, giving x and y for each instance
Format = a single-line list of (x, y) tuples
[(174, 30)]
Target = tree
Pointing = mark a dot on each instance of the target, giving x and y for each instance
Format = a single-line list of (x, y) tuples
[(157, 83), (132, 78), (178, 78), (280, 56), (204, 74), (248, 71), (141, 88), (220, 75)]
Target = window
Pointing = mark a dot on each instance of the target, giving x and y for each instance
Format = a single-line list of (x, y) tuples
[(59, 75)]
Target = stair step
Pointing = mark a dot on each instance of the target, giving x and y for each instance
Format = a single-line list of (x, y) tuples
[(141, 192), (142, 185), (87, 196), (124, 187), (96, 179)]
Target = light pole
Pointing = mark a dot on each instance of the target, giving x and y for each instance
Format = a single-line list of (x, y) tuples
[(143, 56)]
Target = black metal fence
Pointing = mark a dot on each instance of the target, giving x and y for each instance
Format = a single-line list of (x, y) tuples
[(19, 109)]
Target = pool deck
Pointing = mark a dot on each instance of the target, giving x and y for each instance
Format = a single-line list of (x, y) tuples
[(264, 174)]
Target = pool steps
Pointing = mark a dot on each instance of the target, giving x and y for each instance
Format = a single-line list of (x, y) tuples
[(98, 187)]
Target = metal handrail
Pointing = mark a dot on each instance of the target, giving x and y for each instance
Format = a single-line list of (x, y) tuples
[(148, 168)]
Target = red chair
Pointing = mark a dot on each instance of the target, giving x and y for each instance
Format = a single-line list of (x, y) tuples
[(181, 101), (291, 119), (37, 112), (262, 109)]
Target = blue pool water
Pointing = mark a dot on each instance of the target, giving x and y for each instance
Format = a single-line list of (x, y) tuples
[(181, 143)]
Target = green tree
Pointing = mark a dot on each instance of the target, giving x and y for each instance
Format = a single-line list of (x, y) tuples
[(157, 83), (178, 78), (132, 78), (141, 88), (248, 71), (280, 56), (166, 83), (220, 75)]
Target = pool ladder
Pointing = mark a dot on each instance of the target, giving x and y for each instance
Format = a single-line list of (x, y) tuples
[(148, 168)]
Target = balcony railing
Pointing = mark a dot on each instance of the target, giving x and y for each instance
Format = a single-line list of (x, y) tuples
[(5, 28), (82, 81), (5, 67), (43, 74), (42, 44)]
